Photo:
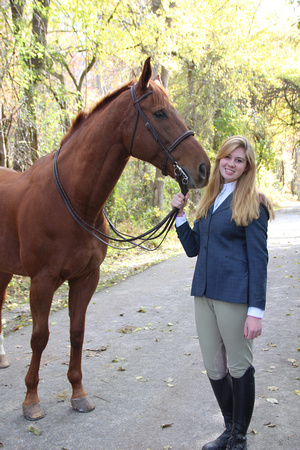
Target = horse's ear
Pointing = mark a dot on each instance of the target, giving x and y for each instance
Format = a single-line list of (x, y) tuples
[(146, 74), (157, 80)]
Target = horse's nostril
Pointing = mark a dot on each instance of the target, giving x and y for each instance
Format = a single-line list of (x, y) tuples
[(202, 171)]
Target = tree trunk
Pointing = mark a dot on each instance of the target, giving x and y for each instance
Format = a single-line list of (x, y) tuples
[(2, 138), (26, 140), (158, 190)]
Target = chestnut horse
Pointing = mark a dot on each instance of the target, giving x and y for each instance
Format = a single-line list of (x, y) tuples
[(40, 239)]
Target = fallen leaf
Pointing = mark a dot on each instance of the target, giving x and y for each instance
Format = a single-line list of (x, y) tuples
[(273, 388), (272, 400), (294, 362), (169, 380), (269, 424), (96, 350), (90, 352), (297, 392), (166, 425), (118, 359), (34, 430), (141, 310), (120, 369), (63, 395), (141, 379), (253, 431), (128, 329)]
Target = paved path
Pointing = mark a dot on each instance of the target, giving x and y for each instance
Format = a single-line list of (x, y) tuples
[(156, 396)]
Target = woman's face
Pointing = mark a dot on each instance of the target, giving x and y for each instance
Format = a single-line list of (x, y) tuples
[(233, 165)]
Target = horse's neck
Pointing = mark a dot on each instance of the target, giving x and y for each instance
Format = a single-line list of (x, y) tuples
[(90, 173)]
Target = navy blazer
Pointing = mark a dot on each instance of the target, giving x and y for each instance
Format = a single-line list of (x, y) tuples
[(232, 260)]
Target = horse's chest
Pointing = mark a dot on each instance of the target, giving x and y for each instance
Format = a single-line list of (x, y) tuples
[(88, 259)]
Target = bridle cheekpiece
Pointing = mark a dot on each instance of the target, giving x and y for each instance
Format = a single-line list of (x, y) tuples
[(180, 175)]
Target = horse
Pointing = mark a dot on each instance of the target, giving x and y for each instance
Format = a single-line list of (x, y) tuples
[(39, 237)]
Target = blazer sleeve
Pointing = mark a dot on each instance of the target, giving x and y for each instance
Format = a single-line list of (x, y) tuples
[(189, 238), (257, 251)]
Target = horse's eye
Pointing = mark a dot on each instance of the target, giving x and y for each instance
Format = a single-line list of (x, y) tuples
[(160, 114)]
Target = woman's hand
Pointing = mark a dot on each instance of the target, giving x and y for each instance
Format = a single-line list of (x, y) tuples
[(252, 328), (180, 201)]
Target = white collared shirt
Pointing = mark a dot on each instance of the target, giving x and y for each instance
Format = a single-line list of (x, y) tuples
[(228, 188)]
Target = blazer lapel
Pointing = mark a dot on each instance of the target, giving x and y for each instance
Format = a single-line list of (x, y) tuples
[(224, 204)]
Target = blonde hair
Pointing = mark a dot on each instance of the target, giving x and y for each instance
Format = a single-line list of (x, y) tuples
[(246, 196)]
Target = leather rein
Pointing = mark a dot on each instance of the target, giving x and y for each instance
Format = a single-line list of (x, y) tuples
[(166, 223)]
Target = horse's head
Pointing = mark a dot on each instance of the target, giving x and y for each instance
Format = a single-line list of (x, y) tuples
[(169, 145)]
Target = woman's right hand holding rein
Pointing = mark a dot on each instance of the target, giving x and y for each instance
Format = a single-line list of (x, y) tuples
[(180, 201)]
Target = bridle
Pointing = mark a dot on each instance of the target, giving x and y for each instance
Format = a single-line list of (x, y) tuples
[(166, 223), (180, 175)]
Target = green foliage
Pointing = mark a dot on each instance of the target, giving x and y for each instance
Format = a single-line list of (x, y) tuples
[(224, 78), (131, 202)]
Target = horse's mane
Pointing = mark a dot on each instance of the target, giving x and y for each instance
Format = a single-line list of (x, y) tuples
[(159, 96), (82, 116)]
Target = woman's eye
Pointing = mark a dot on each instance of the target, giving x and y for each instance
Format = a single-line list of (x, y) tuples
[(160, 114)]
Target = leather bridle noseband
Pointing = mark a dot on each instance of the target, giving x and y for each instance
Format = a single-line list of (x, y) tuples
[(180, 175)]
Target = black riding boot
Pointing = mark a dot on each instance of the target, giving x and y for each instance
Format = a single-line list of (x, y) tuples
[(223, 393), (243, 403)]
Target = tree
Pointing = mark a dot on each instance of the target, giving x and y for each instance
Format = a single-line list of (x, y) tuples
[(33, 60)]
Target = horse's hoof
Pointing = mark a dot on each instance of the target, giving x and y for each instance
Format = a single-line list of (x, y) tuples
[(33, 412), (3, 362), (82, 404)]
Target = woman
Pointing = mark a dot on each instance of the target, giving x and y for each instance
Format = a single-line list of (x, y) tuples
[(229, 284)]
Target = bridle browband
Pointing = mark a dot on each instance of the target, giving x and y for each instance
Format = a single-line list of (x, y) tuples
[(166, 223), (180, 175)]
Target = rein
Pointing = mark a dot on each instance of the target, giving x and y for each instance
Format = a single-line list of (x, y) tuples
[(166, 223)]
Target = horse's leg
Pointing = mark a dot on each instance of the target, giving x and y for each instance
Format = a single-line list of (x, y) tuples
[(81, 291), (41, 293), (4, 280)]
